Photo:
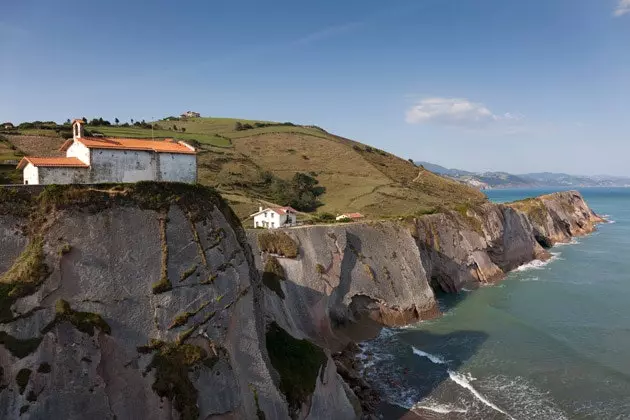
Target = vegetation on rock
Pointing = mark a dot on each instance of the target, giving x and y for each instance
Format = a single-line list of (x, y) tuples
[(164, 284), (21, 379), (24, 277), (534, 208), (44, 368), (17, 347), (260, 415), (188, 272), (85, 322), (273, 275), (298, 362), (171, 363), (278, 243)]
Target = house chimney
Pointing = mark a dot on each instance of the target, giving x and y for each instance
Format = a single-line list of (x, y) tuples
[(77, 129), (260, 208)]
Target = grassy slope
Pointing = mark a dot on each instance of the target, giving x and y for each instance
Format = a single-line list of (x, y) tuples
[(356, 177)]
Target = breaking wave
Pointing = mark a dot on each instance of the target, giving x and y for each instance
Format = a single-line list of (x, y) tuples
[(539, 264), (438, 360), (438, 408), (460, 379), (465, 382)]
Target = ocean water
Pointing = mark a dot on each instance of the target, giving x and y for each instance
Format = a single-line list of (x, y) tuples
[(552, 341)]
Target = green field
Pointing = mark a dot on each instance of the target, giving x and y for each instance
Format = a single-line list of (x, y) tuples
[(147, 133), (242, 165)]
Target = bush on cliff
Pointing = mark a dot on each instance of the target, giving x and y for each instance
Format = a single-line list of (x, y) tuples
[(298, 362), (278, 243), (273, 275)]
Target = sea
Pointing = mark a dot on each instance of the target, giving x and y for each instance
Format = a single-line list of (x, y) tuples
[(552, 341)]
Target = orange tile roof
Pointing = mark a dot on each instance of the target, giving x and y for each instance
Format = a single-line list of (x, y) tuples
[(158, 146), (353, 215), (284, 210), (70, 162)]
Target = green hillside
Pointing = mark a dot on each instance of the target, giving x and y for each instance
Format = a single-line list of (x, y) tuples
[(251, 162)]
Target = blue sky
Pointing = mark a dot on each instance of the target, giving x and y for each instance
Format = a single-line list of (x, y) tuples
[(519, 86)]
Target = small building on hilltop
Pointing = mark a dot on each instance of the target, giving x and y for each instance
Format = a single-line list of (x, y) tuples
[(275, 217), (349, 217), (190, 114), (92, 160)]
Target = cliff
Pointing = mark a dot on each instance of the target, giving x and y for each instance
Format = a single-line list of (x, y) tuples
[(142, 301), (331, 278), (150, 301)]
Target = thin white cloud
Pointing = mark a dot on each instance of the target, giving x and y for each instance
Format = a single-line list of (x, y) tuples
[(328, 32), (622, 8), (456, 112)]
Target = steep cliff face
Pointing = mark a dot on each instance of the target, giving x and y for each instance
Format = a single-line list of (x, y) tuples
[(558, 217), (128, 302), (146, 301), (338, 275)]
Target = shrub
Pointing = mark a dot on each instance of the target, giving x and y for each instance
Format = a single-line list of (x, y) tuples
[(273, 275), (21, 379), (278, 243), (85, 322), (324, 218), (297, 362)]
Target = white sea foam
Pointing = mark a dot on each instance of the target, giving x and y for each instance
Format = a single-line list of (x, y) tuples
[(573, 241), (525, 398), (539, 264), (438, 408), (465, 382), (531, 279), (438, 360)]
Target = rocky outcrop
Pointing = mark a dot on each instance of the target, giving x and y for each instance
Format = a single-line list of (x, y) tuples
[(338, 276), (143, 302), (150, 301), (558, 217)]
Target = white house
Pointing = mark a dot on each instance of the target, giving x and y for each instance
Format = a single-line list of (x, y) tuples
[(272, 218), (99, 160)]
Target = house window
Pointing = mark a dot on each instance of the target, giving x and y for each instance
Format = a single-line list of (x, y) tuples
[(273, 224)]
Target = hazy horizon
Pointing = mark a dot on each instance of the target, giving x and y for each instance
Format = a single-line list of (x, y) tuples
[(538, 86)]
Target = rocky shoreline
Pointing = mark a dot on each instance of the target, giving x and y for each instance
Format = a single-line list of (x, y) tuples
[(151, 301)]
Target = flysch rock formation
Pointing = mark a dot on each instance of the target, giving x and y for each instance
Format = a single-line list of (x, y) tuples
[(149, 301), (143, 302)]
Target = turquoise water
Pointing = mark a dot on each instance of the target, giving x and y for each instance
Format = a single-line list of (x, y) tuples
[(552, 341)]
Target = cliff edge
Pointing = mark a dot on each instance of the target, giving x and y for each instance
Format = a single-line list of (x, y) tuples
[(328, 279), (142, 301), (151, 301)]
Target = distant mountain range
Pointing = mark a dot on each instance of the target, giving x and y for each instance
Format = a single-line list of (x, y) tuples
[(488, 180)]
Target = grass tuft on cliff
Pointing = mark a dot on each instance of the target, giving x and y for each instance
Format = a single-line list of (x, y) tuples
[(17, 347), (24, 277), (273, 275), (278, 243), (534, 208), (171, 363), (298, 362), (86, 322)]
